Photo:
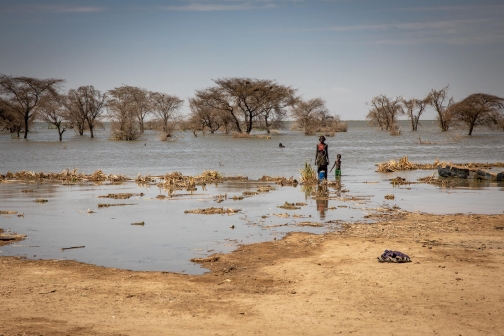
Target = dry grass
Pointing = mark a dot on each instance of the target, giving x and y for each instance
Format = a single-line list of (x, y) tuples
[(280, 180), (66, 175), (308, 174)]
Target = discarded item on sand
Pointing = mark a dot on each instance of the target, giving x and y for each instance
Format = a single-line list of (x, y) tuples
[(41, 200), (288, 206), (8, 212), (390, 196), (70, 248), (393, 256), (202, 260), (212, 211), (138, 223), (105, 205)]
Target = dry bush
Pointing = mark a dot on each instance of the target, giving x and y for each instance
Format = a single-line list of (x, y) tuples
[(308, 174)]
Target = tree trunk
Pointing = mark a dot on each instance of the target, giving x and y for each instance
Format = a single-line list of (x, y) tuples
[(26, 127), (471, 127), (91, 127)]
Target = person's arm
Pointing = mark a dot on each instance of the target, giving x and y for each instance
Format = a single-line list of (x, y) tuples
[(327, 152), (333, 166)]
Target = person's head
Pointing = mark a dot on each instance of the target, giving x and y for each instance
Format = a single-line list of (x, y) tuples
[(338, 156), (280, 145), (322, 139)]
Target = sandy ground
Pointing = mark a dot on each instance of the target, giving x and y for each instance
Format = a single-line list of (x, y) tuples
[(301, 285)]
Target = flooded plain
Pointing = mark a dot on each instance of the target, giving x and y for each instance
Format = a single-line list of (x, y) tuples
[(169, 237)]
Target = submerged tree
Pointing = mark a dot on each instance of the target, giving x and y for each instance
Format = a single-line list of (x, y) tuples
[(85, 106), (166, 109), (313, 116), (122, 113), (385, 111), (11, 121), (478, 109), (22, 95), (246, 101), (439, 100), (53, 111), (414, 108)]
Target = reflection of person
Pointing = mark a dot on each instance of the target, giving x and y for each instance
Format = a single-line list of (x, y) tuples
[(322, 200), (322, 156), (280, 145), (337, 164)]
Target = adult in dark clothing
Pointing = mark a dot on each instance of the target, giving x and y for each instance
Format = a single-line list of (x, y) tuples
[(322, 156)]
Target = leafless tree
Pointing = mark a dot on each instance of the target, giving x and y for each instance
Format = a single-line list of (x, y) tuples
[(10, 120), (414, 108), (439, 100), (203, 117), (23, 95), (122, 112), (86, 106), (385, 111), (246, 101), (307, 114), (140, 103), (166, 109), (53, 111), (478, 109)]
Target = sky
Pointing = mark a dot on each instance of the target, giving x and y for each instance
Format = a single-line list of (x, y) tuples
[(345, 52)]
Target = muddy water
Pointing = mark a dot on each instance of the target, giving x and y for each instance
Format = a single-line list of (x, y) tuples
[(170, 238)]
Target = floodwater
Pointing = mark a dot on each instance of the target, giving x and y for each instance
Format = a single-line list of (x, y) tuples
[(170, 238)]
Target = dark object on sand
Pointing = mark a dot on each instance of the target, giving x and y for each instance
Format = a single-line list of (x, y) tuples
[(393, 256)]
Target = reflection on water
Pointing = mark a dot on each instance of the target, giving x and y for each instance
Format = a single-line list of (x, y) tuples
[(170, 238)]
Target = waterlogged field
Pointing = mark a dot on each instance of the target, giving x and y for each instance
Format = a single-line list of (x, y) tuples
[(169, 237)]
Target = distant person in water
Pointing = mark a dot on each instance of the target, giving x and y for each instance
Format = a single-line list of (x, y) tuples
[(322, 156), (337, 165), (280, 145)]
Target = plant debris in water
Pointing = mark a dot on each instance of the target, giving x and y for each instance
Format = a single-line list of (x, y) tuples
[(405, 164), (105, 205), (212, 211), (289, 206), (280, 180), (66, 175), (121, 195)]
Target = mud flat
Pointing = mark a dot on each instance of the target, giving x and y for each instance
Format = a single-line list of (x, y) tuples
[(304, 284)]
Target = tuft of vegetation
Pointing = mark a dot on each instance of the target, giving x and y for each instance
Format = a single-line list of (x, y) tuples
[(308, 174)]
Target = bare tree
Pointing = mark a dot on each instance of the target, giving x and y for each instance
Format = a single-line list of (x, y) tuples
[(23, 95), (166, 108), (203, 117), (122, 113), (385, 111), (52, 110), (415, 108), (86, 106), (478, 109), (140, 103), (246, 100), (307, 114), (439, 100), (10, 120)]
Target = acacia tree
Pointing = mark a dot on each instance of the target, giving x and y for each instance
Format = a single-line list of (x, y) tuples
[(10, 120), (23, 95), (53, 111), (122, 113), (439, 100), (166, 108), (140, 103), (478, 109), (385, 111), (204, 117), (308, 113), (414, 108), (245, 101), (86, 106)]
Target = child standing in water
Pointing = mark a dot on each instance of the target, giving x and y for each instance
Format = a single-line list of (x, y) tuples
[(337, 164)]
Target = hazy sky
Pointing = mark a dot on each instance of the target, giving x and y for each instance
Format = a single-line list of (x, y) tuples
[(346, 52)]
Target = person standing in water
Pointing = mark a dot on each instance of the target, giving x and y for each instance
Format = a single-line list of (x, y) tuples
[(337, 165), (322, 156)]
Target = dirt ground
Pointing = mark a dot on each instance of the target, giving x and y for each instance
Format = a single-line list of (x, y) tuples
[(302, 285)]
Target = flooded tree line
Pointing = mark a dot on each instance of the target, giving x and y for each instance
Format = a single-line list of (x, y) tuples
[(238, 105), (478, 109)]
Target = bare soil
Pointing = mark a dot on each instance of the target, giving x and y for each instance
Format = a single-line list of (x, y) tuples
[(302, 285)]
